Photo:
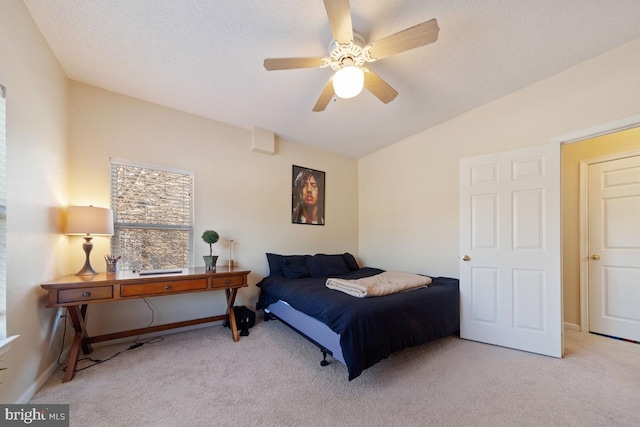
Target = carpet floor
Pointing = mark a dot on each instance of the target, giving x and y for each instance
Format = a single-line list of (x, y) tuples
[(273, 378)]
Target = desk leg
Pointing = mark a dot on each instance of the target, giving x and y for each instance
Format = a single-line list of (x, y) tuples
[(86, 347), (78, 320), (231, 299)]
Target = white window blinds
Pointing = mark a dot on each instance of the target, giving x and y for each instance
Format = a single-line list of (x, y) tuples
[(153, 214)]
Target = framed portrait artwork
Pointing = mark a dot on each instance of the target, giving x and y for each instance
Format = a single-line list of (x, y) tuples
[(307, 196)]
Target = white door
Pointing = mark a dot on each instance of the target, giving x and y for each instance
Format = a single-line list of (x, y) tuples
[(614, 248), (510, 281)]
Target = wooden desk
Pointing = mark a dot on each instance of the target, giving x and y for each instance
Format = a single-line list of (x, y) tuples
[(77, 292)]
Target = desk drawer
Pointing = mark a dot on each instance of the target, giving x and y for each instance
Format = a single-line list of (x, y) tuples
[(220, 282), (162, 288), (85, 294)]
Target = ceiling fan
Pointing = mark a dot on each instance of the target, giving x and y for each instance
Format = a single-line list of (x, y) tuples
[(348, 54)]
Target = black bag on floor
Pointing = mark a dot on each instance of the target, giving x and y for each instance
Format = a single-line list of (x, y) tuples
[(245, 319)]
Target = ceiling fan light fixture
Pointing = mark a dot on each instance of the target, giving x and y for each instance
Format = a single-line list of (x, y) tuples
[(348, 81)]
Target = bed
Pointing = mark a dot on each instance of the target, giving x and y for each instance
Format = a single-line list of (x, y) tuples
[(358, 332)]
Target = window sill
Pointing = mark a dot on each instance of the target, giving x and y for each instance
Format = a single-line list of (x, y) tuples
[(5, 344)]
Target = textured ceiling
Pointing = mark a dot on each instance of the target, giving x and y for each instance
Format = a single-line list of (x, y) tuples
[(205, 57)]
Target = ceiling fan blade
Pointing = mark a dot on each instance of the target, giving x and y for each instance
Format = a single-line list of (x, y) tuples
[(379, 87), (340, 20), (413, 37), (291, 63), (324, 98)]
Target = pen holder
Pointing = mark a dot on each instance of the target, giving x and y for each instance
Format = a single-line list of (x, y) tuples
[(112, 266)]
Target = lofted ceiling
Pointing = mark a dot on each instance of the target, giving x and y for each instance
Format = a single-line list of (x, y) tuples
[(205, 57)]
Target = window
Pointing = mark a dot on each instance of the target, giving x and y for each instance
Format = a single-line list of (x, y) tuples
[(153, 216)]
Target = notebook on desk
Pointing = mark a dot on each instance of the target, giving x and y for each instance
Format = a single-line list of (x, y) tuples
[(161, 271)]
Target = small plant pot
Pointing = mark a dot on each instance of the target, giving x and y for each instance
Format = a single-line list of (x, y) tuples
[(210, 262)]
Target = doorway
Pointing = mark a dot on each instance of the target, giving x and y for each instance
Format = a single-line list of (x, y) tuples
[(608, 143)]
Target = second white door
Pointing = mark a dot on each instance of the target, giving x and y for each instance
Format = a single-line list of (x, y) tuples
[(614, 248)]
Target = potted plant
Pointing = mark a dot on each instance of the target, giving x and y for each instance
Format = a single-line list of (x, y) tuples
[(210, 237)]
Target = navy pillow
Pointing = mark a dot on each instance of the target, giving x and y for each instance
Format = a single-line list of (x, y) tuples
[(295, 266), (275, 264), (322, 265), (350, 261)]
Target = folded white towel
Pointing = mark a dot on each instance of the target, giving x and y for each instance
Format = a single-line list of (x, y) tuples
[(388, 282)]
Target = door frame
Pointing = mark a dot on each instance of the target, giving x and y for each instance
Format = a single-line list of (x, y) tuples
[(584, 230), (581, 135)]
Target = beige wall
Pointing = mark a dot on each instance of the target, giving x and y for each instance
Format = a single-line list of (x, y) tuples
[(572, 155), (36, 188), (242, 194), (409, 191)]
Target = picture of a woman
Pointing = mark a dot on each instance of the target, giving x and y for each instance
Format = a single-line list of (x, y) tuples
[(307, 196)]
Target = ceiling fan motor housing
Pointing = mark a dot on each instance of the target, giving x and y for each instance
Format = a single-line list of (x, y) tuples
[(354, 53)]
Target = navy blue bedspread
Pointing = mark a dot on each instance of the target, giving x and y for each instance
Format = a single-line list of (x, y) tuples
[(371, 328)]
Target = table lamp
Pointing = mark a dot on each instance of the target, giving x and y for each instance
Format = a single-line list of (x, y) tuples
[(89, 221)]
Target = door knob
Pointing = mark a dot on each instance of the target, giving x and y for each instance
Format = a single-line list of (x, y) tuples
[(595, 256), (466, 258)]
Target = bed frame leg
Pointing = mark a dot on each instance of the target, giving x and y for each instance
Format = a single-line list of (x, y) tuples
[(324, 361)]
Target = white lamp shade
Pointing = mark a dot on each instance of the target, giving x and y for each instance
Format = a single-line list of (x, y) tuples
[(89, 220), (348, 81)]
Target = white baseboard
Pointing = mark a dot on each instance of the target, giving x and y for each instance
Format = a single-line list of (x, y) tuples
[(39, 382), (572, 326)]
